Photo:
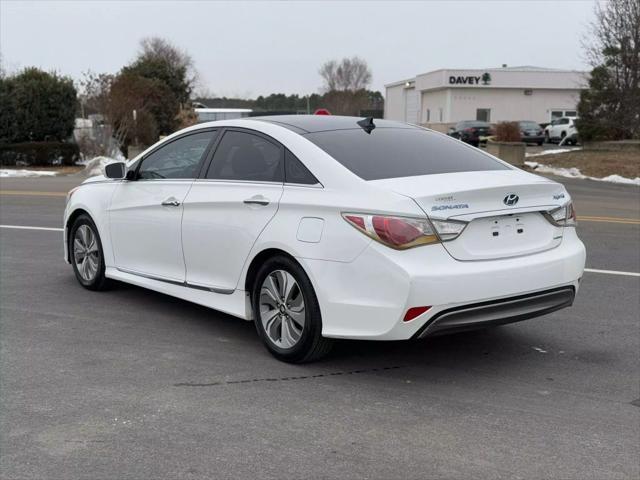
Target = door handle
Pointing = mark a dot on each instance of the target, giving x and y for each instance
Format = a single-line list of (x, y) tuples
[(257, 200), (171, 202)]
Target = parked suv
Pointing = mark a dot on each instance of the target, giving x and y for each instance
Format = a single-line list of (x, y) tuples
[(472, 132), (560, 128), (531, 132)]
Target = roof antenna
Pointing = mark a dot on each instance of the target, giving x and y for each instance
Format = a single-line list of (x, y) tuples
[(367, 124)]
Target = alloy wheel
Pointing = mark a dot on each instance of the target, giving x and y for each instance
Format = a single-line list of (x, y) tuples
[(86, 253), (282, 309)]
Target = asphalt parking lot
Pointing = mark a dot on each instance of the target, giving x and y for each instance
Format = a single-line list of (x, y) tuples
[(133, 384)]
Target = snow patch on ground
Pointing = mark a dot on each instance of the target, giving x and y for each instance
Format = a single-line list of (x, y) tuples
[(575, 173), (619, 179), (95, 166), (551, 152), (10, 173)]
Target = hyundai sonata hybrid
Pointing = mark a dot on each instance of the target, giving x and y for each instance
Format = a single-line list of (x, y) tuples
[(325, 227)]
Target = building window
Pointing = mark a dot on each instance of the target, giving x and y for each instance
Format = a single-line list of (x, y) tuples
[(428, 115), (483, 114), (555, 114)]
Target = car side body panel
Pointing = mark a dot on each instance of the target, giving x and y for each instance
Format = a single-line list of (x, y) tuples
[(93, 197)]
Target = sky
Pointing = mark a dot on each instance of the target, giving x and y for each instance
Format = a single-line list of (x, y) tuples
[(251, 48)]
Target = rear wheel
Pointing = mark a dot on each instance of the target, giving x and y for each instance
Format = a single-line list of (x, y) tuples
[(547, 139), (287, 313), (85, 253)]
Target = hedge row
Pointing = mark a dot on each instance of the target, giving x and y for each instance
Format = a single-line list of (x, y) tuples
[(38, 154), (36, 106)]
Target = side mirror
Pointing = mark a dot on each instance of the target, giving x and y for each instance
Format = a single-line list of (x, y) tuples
[(116, 170)]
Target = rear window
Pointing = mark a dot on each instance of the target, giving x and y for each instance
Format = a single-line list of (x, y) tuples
[(472, 124), (393, 153)]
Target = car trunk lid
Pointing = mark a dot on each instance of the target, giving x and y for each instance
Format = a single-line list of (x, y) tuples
[(503, 209)]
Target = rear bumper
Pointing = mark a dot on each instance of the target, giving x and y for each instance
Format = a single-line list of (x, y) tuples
[(533, 139), (368, 298), (497, 312)]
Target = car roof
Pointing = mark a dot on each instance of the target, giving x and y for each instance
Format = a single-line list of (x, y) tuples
[(321, 123), (473, 122)]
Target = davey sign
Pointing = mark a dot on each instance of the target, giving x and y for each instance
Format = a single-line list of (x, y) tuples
[(484, 79)]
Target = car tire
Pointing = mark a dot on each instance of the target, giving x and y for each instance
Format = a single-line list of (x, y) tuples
[(547, 139), (86, 254), (540, 143), (290, 325)]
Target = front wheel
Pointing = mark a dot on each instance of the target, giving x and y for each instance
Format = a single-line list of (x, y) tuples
[(287, 313), (85, 253)]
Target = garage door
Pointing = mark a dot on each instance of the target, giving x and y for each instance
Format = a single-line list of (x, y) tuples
[(411, 105)]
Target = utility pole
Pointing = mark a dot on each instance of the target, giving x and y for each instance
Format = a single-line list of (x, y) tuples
[(135, 126)]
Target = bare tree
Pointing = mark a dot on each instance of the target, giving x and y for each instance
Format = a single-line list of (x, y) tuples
[(348, 75), (610, 108), (615, 40), (94, 92)]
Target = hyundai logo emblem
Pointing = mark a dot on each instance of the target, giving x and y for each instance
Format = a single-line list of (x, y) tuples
[(511, 199)]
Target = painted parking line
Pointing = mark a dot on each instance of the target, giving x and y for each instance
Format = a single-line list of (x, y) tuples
[(25, 227), (612, 272), (52, 229), (32, 193), (628, 221)]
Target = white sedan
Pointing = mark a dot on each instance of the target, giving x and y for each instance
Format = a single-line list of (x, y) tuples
[(321, 227)]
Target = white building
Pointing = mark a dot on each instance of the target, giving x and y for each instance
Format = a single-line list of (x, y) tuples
[(213, 114), (444, 97)]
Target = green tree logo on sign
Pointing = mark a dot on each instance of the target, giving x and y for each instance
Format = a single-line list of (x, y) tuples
[(486, 78)]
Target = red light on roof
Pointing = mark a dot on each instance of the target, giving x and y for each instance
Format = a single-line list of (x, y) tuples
[(322, 111)]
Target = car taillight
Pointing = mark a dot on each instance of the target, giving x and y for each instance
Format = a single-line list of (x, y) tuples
[(564, 216), (448, 229), (414, 312), (403, 232)]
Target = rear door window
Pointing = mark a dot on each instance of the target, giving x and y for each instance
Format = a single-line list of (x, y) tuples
[(296, 172), (247, 157), (393, 153)]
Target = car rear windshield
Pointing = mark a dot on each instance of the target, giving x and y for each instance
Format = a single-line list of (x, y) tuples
[(396, 152), (473, 124), (532, 125)]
